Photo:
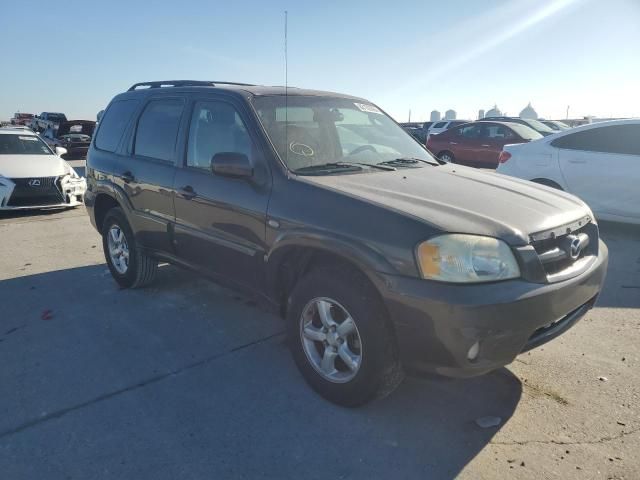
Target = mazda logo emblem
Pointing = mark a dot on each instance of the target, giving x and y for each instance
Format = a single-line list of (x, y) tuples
[(34, 182), (575, 244)]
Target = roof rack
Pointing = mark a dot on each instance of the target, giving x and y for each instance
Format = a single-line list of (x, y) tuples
[(183, 83)]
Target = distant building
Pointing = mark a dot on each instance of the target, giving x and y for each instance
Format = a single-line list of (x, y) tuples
[(435, 116), (480, 114), (494, 112), (528, 112), (450, 115)]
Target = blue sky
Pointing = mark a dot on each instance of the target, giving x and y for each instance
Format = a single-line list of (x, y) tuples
[(73, 56)]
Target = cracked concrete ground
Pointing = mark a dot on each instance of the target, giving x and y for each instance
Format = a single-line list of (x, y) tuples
[(187, 379)]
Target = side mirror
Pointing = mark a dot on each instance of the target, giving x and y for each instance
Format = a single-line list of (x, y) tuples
[(231, 164), (61, 151)]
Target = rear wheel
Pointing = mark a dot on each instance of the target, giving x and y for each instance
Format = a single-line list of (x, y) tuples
[(129, 266), (446, 156), (340, 337)]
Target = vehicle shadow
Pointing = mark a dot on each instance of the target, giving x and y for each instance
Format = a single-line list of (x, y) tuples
[(186, 379), (622, 285)]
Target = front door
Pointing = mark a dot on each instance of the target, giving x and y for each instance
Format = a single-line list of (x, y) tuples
[(220, 221), (602, 166)]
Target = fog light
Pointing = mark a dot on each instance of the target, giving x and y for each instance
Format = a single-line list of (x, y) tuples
[(473, 352)]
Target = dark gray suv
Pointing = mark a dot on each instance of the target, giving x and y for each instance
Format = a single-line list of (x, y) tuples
[(381, 259)]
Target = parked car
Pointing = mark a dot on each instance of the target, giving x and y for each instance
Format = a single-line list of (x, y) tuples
[(378, 256), (46, 120), (32, 176), (74, 136), (599, 162), (478, 144), (439, 127), (21, 118), (417, 130), (537, 125), (556, 125)]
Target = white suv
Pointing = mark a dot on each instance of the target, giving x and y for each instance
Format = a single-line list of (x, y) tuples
[(443, 125)]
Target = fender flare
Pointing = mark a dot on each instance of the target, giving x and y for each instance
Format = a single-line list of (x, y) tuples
[(364, 257)]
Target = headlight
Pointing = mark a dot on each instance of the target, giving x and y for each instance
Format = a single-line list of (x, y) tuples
[(462, 258)]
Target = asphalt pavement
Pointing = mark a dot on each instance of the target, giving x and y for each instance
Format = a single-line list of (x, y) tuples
[(188, 380)]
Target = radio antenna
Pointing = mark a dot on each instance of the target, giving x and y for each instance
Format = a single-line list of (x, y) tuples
[(286, 91)]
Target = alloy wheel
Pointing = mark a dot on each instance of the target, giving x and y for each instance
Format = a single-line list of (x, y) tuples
[(118, 249), (330, 340)]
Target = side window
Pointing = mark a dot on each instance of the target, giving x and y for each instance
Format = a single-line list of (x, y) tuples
[(215, 127), (621, 139), (157, 129), (470, 131), (498, 132), (113, 123)]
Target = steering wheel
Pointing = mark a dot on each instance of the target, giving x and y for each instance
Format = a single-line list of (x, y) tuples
[(363, 148)]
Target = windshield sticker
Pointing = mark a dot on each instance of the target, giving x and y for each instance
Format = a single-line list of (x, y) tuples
[(367, 108), (30, 139)]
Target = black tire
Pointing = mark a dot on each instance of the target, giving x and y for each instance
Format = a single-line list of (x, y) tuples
[(380, 371), (442, 155), (142, 268)]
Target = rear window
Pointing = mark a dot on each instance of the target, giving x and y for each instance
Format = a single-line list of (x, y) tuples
[(525, 132), (440, 125), (157, 130), (113, 123)]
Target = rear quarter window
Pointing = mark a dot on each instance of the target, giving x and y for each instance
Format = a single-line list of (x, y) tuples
[(113, 123)]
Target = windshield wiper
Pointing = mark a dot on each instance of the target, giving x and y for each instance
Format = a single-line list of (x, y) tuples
[(402, 161), (340, 166)]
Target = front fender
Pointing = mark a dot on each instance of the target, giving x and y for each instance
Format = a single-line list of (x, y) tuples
[(366, 257)]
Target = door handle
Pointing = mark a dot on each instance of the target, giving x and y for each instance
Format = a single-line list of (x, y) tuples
[(485, 145), (577, 161), (453, 143), (127, 177), (187, 192)]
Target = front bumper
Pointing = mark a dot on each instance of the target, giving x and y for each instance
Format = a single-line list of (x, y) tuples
[(436, 324), (68, 191)]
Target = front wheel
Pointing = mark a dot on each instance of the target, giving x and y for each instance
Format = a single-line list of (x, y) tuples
[(446, 157), (129, 266), (340, 338)]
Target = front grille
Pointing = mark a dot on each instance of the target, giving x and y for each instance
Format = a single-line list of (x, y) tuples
[(560, 250), (36, 191)]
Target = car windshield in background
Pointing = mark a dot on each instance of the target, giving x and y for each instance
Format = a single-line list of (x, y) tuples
[(311, 132), (525, 132), (539, 126), (22, 145)]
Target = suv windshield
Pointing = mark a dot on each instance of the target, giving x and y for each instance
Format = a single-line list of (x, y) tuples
[(22, 145), (310, 131)]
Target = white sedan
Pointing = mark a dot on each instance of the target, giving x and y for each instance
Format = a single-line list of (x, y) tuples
[(33, 176), (599, 162)]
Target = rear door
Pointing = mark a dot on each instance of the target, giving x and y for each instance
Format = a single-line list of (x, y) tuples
[(602, 166), (221, 221), (146, 173), (492, 140), (464, 142)]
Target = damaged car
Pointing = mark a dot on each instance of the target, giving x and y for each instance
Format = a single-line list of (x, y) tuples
[(74, 136), (33, 176)]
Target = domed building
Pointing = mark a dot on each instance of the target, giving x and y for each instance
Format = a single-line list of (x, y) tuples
[(529, 112), (494, 112)]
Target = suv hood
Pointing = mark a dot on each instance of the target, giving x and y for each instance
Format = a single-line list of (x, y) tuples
[(459, 199), (22, 166)]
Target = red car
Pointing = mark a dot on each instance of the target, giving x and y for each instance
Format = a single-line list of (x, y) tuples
[(478, 144), (22, 119)]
